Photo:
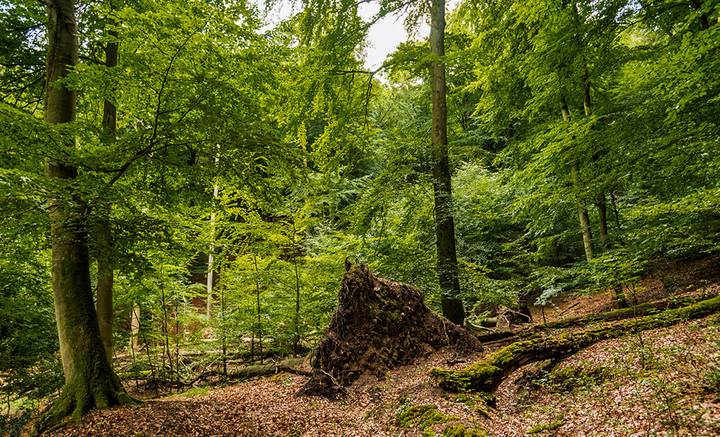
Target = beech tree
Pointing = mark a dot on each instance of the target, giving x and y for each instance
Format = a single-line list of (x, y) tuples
[(447, 268), (577, 101), (321, 19), (89, 378)]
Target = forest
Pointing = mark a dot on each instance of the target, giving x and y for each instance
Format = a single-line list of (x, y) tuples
[(218, 220)]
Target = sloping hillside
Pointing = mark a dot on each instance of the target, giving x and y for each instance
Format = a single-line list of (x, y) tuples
[(658, 382)]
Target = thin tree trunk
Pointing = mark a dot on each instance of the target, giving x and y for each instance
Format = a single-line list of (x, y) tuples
[(89, 378), (296, 342), (702, 19), (620, 299), (587, 239), (104, 304), (617, 217), (259, 319), (178, 337), (584, 219), (602, 220), (165, 331), (586, 93), (211, 258), (582, 211), (444, 224), (223, 334)]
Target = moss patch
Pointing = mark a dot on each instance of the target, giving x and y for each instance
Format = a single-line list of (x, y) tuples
[(574, 377), (198, 391), (425, 417), (422, 416), (460, 430), (552, 426), (475, 403)]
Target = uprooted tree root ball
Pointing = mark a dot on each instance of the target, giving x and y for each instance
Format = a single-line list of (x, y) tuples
[(378, 325)]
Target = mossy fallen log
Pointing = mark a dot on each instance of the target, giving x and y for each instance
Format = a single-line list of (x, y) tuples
[(499, 338), (644, 309), (487, 374)]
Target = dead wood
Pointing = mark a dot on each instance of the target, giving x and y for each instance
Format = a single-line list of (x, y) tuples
[(253, 371), (499, 338), (620, 314), (487, 374), (378, 325)]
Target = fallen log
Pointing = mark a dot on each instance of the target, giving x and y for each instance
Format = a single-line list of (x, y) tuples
[(500, 338), (254, 371), (644, 309), (487, 374)]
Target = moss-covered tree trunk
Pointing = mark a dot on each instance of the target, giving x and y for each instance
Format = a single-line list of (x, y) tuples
[(444, 224), (89, 379), (487, 374)]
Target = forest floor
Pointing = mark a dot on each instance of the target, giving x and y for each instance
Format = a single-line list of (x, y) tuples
[(659, 382)]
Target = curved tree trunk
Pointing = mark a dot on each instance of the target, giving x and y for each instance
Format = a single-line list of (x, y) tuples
[(444, 224), (487, 374), (89, 379)]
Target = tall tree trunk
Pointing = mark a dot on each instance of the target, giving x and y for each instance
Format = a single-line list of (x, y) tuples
[(703, 20), (104, 304), (617, 218), (259, 316), (89, 378), (296, 247), (586, 93), (582, 211), (444, 224), (211, 249)]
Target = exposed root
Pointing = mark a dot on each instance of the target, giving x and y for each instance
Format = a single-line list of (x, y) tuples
[(77, 399), (378, 325)]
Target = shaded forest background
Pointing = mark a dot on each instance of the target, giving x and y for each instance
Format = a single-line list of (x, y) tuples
[(247, 164)]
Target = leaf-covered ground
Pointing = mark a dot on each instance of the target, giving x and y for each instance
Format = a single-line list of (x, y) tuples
[(661, 382)]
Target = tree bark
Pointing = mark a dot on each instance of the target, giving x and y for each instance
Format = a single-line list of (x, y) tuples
[(104, 305), (444, 223), (89, 378), (586, 92), (256, 371), (584, 218), (487, 374)]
